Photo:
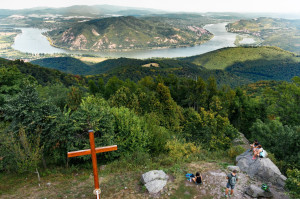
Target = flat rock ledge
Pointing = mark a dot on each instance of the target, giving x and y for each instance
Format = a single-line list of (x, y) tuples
[(261, 168), (256, 192), (155, 180)]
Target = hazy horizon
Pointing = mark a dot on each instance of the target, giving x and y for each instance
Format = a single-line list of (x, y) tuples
[(238, 6)]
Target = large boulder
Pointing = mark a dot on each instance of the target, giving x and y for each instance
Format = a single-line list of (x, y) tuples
[(155, 180), (232, 168), (261, 168), (256, 192)]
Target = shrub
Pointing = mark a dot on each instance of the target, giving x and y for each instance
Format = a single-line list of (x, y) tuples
[(293, 182), (180, 149), (20, 154), (235, 151)]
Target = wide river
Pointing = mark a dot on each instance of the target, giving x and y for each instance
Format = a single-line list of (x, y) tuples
[(31, 40)]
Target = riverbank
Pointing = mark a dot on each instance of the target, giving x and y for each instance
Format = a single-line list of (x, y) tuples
[(220, 39)]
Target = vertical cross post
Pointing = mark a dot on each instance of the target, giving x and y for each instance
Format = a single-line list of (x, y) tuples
[(94, 158), (93, 152)]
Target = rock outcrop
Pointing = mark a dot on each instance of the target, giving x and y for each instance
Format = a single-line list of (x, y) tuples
[(256, 192), (155, 180), (261, 168), (232, 168)]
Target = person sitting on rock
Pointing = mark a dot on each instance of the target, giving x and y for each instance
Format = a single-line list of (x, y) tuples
[(254, 145), (232, 179), (198, 178), (257, 152)]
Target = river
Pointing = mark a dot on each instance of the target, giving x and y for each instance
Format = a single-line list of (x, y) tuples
[(31, 40)]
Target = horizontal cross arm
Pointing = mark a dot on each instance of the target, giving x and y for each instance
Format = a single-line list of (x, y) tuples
[(88, 151)]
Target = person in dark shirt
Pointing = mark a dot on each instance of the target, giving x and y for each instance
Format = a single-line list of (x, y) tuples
[(198, 178), (232, 179)]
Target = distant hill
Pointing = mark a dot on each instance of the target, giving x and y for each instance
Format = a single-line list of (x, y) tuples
[(231, 66), (225, 57), (44, 76), (64, 64), (283, 33), (124, 33), (135, 69), (82, 10), (252, 63)]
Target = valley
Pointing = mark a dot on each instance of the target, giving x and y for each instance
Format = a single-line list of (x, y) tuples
[(181, 92)]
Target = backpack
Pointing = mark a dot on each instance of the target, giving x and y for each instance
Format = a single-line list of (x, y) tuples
[(265, 187), (262, 154), (232, 180), (189, 176)]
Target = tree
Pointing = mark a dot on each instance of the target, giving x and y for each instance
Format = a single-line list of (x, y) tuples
[(93, 88), (112, 86), (74, 98)]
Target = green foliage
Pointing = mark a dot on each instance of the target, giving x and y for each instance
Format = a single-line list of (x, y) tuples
[(56, 94), (281, 140), (92, 87), (234, 151), (74, 98), (293, 182), (208, 129), (257, 56), (11, 80), (20, 153), (131, 133), (64, 64), (179, 149)]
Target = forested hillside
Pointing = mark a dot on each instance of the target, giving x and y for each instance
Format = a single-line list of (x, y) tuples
[(167, 119), (125, 33), (229, 66)]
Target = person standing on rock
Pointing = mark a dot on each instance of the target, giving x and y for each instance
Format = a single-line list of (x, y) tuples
[(232, 179)]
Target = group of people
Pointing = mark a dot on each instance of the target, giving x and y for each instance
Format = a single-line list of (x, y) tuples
[(257, 150), (232, 179)]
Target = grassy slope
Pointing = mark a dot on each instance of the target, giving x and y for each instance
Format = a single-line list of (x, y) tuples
[(222, 58)]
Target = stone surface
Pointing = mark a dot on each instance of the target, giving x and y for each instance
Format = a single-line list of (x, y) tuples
[(155, 186), (232, 168), (155, 180), (255, 192), (261, 168)]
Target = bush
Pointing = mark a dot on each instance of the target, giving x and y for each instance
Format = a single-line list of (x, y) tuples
[(293, 182), (179, 150), (235, 151), (20, 154), (281, 140)]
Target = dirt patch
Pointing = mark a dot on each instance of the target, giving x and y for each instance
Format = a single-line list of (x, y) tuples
[(151, 65)]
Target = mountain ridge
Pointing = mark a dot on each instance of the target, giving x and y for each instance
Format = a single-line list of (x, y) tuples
[(125, 32)]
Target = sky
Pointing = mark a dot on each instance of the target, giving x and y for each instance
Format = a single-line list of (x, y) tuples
[(282, 6)]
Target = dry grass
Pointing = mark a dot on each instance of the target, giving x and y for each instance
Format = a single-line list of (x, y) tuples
[(91, 59)]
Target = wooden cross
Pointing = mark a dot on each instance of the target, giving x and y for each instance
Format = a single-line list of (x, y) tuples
[(93, 152)]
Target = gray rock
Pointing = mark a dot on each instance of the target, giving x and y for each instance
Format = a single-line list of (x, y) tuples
[(155, 186), (262, 168), (155, 180), (255, 192), (232, 168), (154, 175)]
